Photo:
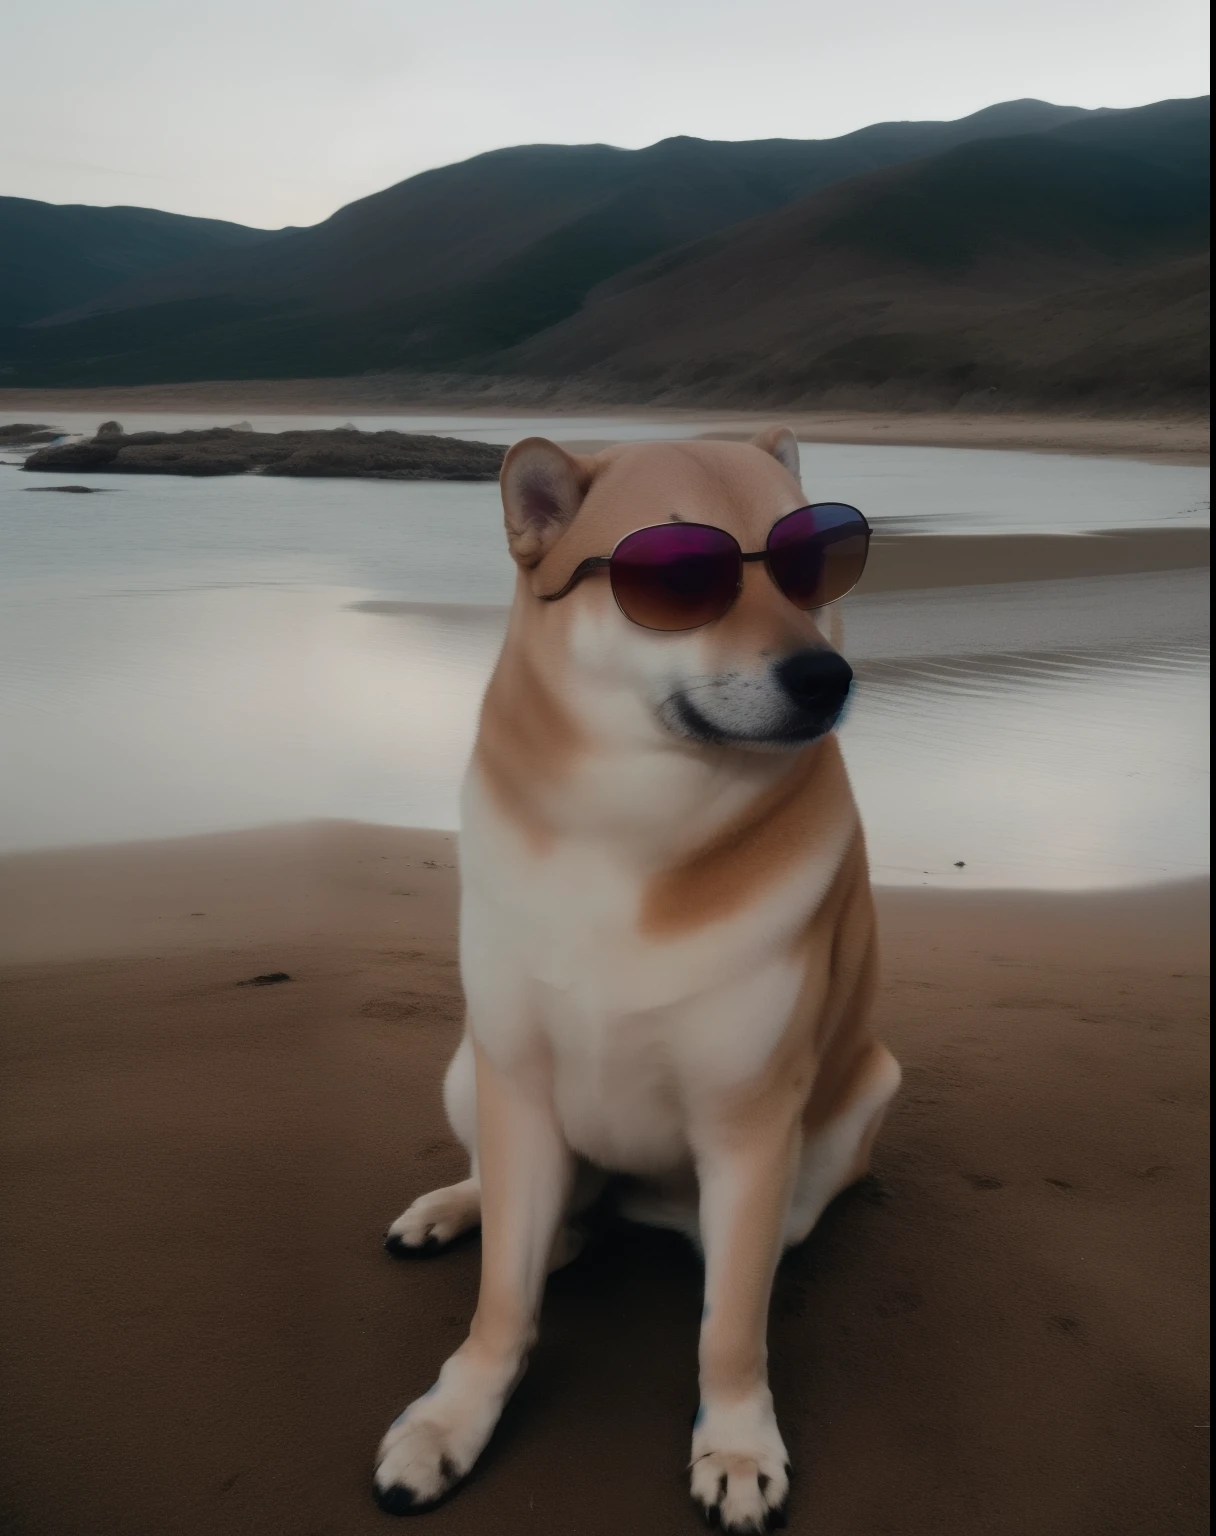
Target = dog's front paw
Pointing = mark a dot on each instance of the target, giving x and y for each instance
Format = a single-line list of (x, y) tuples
[(740, 1471), (435, 1220), (417, 1466), (432, 1446)]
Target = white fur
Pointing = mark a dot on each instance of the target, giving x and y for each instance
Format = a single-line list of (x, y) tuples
[(634, 1033), (440, 1435), (829, 1154), (551, 952), (740, 1467)]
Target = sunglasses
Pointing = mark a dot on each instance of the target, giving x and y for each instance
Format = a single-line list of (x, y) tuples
[(682, 575)]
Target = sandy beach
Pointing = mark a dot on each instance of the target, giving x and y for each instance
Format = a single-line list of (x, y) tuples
[(1153, 439), (1001, 1331), (285, 307)]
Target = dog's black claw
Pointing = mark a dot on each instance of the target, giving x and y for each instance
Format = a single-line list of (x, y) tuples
[(401, 1250), (774, 1519), (397, 1500)]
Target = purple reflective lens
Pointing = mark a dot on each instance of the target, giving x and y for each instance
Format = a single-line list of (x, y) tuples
[(817, 554), (676, 576)]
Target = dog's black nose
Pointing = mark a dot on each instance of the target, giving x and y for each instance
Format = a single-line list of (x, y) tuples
[(817, 681)]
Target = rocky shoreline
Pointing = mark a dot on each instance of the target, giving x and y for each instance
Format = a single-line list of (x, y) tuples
[(341, 453)]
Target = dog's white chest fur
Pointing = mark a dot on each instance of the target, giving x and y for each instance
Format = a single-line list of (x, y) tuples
[(554, 962)]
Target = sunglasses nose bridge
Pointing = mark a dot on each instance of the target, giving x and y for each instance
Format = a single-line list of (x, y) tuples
[(763, 622), (762, 568), (756, 573), (740, 578)]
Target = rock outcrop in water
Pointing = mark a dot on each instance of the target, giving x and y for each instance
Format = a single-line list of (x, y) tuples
[(19, 434), (70, 490), (344, 453)]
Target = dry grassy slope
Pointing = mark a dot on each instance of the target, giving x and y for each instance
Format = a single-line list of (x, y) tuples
[(1068, 262)]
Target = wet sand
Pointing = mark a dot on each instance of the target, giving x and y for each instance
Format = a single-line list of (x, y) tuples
[(904, 562), (1001, 1331), (1158, 440)]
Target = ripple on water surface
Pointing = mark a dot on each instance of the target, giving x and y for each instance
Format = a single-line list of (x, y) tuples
[(188, 656)]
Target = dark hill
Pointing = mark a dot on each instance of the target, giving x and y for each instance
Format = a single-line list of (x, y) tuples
[(461, 261), (934, 273), (1031, 250), (53, 256)]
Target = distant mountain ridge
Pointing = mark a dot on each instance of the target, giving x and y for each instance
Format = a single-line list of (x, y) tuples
[(462, 223), (934, 271), (768, 269), (56, 255)]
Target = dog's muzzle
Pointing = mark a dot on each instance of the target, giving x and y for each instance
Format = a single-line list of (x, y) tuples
[(786, 705)]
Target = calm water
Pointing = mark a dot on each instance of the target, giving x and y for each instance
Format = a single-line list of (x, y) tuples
[(925, 490), (180, 656)]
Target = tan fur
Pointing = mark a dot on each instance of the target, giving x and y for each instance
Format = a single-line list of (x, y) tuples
[(668, 950), (528, 740), (754, 850)]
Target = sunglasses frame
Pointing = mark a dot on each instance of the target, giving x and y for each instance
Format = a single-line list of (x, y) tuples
[(595, 563)]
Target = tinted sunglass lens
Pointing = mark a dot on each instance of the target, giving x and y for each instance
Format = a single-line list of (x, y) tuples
[(817, 554), (679, 576)]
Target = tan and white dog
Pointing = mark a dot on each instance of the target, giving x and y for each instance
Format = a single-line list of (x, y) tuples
[(667, 946)]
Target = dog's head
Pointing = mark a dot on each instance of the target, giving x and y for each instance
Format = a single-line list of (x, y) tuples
[(761, 677)]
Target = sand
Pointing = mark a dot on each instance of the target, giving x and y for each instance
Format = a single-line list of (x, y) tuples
[(905, 562), (1154, 439), (1002, 1331)]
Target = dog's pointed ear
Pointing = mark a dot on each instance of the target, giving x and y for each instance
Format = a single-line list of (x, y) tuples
[(542, 489), (781, 443)]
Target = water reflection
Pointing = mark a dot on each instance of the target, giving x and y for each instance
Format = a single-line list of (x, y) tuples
[(182, 655), (201, 710), (1063, 771), (925, 490)]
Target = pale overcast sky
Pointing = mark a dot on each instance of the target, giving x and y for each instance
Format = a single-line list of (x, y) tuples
[(278, 111)]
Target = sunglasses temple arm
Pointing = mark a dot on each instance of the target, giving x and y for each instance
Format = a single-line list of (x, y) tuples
[(584, 568)]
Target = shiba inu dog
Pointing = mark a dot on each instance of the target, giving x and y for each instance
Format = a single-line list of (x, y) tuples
[(667, 933)]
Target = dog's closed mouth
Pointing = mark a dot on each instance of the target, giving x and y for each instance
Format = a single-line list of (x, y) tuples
[(678, 710)]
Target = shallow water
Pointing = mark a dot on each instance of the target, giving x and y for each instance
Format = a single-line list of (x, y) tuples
[(924, 490), (181, 656)]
